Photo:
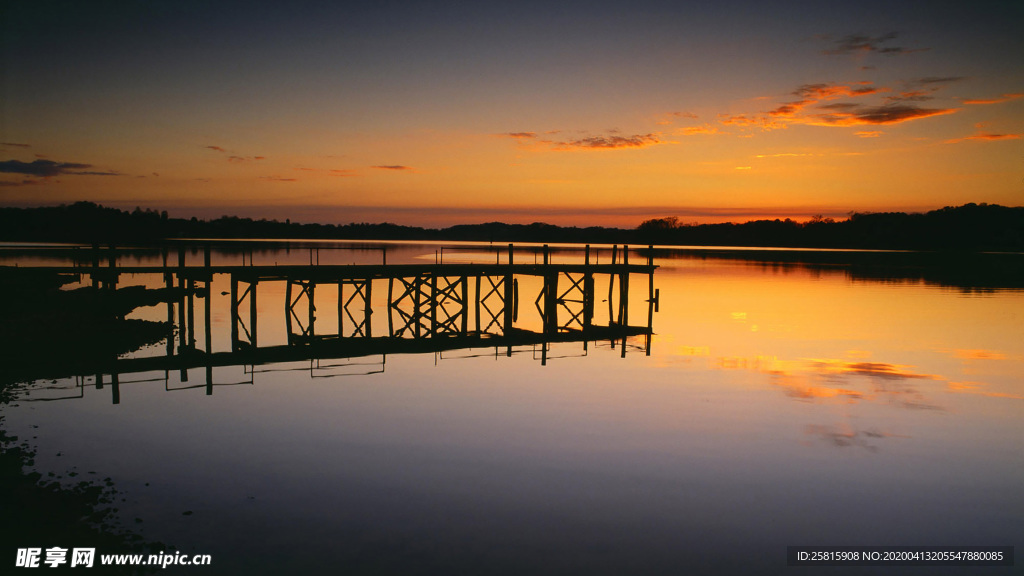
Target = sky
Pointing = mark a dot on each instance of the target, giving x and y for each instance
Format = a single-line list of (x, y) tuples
[(571, 113)]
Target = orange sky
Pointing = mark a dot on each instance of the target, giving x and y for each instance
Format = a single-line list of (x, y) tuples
[(588, 114)]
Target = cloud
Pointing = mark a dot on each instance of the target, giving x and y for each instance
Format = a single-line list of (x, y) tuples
[(49, 168), (860, 44), (244, 159), (396, 167), (22, 183), (216, 148), (876, 115), (16, 144), (1001, 99), (978, 354), (331, 171), (869, 133), (911, 96), (985, 137), (611, 142), (831, 91), (699, 130), (278, 179), (938, 80), (742, 120), (670, 117), (846, 437)]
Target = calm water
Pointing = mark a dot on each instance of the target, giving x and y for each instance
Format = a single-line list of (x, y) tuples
[(780, 405)]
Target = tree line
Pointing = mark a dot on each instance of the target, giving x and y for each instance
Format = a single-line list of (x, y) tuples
[(971, 227)]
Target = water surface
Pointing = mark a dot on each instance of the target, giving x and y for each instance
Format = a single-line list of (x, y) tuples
[(780, 404)]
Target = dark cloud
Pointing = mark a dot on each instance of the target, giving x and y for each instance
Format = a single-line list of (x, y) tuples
[(985, 137), (278, 179), (217, 148), (520, 135), (877, 115), (939, 80), (392, 167), (16, 144), (22, 183), (841, 106), (611, 142), (1000, 100), (49, 168), (864, 44), (911, 96)]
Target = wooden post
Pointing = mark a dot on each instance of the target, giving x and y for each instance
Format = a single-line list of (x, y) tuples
[(252, 311), (234, 313), (391, 324), (433, 304), (312, 307), (476, 307), (509, 297), (191, 314), (368, 312), (288, 308), (341, 310), (465, 305)]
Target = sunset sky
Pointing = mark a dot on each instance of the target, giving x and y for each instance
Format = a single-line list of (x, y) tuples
[(573, 113)]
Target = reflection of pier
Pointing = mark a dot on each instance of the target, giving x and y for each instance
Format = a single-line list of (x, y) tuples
[(429, 308)]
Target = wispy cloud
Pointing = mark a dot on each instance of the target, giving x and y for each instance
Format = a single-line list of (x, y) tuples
[(869, 133), (278, 179), (49, 168), (394, 167), (244, 159), (927, 80), (876, 115), (16, 144), (861, 44), (610, 141), (984, 137), (215, 148), (1000, 100), (977, 354), (4, 183), (705, 129), (669, 118)]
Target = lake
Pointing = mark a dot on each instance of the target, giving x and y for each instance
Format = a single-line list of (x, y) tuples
[(779, 398)]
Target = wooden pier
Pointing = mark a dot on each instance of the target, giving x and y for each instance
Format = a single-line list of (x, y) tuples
[(429, 307)]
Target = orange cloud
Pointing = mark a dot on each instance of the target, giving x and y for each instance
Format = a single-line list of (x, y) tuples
[(978, 354), (216, 148), (876, 115), (395, 167), (744, 121), (611, 142), (698, 130), (277, 179), (869, 133), (1001, 99), (985, 136)]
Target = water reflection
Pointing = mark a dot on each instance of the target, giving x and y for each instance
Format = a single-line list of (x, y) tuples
[(859, 412)]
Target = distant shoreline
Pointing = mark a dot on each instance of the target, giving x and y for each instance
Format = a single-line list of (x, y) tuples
[(967, 228)]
